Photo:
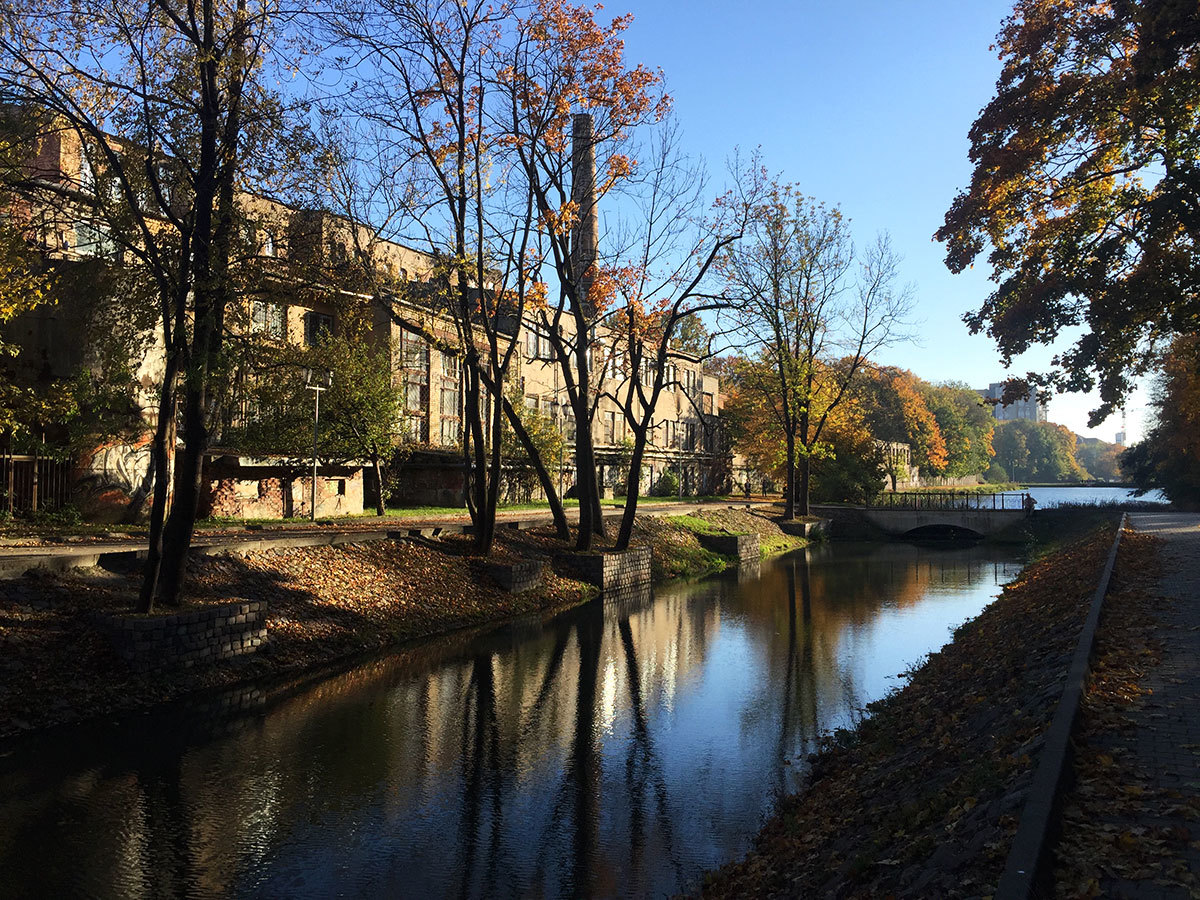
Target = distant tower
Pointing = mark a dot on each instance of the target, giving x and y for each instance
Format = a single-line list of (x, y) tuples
[(585, 236)]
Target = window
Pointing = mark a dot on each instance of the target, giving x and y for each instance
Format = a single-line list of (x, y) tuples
[(647, 372), (87, 175), (268, 243), (316, 326), (341, 487), (414, 362), (612, 368), (706, 404), (537, 344), (94, 239), (450, 402), (610, 427), (689, 436), (689, 380), (672, 434), (267, 319)]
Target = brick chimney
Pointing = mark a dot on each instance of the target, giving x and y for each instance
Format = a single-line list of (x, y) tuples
[(585, 236)]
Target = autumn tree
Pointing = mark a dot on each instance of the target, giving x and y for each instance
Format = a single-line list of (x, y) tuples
[(1168, 457), (1098, 458), (360, 413), (798, 298), (847, 463), (1086, 189), (169, 106), (26, 281), (966, 424), (433, 167), (567, 88), (1039, 452)]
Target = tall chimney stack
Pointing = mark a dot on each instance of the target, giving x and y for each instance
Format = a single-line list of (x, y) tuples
[(584, 239)]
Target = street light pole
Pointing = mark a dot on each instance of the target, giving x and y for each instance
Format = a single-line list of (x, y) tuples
[(316, 380)]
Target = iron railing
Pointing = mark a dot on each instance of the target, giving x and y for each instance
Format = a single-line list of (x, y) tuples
[(940, 500), (33, 483)]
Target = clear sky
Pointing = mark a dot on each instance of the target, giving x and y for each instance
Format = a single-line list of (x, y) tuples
[(862, 103)]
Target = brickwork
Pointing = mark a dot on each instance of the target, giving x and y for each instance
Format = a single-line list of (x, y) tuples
[(517, 577), (744, 547), (610, 571), (187, 639)]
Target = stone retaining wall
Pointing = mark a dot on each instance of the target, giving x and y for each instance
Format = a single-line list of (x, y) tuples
[(186, 639), (610, 571), (517, 577), (744, 547)]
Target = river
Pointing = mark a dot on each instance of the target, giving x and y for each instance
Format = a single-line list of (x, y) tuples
[(620, 748), (1048, 497)]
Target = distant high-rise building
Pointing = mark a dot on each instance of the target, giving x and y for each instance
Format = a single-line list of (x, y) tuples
[(1120, 442), (1030, 408)]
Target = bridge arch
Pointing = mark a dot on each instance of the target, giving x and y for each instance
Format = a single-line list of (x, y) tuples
[(942, 531)]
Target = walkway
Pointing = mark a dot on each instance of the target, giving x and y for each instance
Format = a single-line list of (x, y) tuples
[(1164, 745), (70, 552)]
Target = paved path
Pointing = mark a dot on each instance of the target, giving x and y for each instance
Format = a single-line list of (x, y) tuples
[(15, 560), (1165, 745)]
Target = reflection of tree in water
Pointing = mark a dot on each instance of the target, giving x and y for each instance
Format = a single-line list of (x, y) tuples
[(643, 767), (484, 760)]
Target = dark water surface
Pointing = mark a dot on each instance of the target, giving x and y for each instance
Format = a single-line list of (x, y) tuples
[(621, 748)]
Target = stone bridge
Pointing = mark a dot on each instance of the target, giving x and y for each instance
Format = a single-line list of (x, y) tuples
[(901, 514)]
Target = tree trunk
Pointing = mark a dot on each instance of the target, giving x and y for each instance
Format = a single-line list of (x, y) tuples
[(543, 474), (181, 524), (805, 467), (789, 490), (632, 483), (380, 507), (160, 466)]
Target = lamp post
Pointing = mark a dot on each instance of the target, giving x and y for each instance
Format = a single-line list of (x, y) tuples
[(316, 380)]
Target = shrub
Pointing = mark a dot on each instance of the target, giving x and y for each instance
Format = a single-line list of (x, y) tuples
[(666, 486)]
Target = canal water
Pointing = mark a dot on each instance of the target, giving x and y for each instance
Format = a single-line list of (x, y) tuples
[(1049, 497), (616, 749)]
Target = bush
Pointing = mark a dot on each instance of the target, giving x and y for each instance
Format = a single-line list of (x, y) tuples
[(666, 486), (66, 515), (996, 474)]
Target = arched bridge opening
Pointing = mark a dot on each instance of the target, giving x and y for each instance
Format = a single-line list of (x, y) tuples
[(943, 531)]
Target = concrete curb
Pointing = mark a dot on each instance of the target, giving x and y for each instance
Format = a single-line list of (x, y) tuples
[(1025, 868)]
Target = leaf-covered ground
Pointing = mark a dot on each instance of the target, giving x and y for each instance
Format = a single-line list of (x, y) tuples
[(326, 604), (1127, 830), (923, 798)]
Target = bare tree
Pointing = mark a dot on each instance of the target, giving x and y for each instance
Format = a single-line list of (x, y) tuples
[(673, 254), (427, 98), (168, 103), (815, 324), (570, 108)]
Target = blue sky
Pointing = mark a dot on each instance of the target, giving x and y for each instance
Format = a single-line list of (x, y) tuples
[(865, 104)]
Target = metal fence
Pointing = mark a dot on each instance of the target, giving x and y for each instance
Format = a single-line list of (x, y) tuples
[(951, 500), (32, 483)]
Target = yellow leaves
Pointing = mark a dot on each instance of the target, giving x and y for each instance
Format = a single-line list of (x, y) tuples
[(560, 221), (538, 295)]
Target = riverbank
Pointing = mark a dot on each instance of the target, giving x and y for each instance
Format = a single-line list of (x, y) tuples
[(327, 605), (923, 798)]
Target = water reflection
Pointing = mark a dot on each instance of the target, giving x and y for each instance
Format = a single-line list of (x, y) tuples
[(618, 748)]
